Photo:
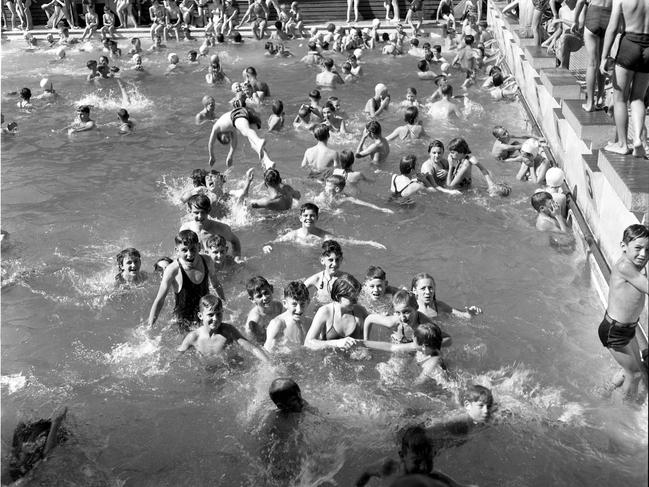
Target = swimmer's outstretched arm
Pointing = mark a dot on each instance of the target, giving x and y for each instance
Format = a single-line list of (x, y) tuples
[(214, 280), (351, 199), (352, 241), (389, 347), (377, 319)]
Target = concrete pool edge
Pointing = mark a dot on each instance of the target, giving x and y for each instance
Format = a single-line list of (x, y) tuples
[(611, 192)]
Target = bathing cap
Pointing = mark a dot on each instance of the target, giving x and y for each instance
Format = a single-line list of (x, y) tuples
[(172, 58), (60, 52), (46, 84), (445, 67), (203, 49), (236, 87), (358, 53), (531, 146), (554, 177), (376, 23), (380, 88)]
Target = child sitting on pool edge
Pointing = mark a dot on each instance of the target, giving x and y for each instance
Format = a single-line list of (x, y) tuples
[(129, 263), (213, 336), (260, 293)]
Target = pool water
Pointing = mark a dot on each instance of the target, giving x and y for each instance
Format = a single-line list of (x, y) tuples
[(142, 417)]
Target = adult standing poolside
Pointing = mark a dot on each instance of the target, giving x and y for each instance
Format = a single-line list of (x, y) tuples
[(631, 71), (598, 13)]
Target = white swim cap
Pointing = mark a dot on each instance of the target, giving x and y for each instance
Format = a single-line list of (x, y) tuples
[(376, 23), (236, 87), (380, 88), (445, 67), (358, 53), (46, 84), (214, 58), (203, 49), (393, 36), (172, 58), (531, 146), (554, 177), (60, 52)]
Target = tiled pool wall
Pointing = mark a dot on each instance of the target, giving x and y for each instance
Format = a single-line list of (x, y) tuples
[(611, 191)]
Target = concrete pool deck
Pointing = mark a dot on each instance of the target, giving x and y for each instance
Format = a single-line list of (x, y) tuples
[(611, 190)]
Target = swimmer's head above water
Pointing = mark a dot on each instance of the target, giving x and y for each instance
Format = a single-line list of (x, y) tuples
[(286, 395)]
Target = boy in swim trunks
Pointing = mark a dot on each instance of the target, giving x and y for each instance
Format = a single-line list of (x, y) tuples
[(628, 290), (257, 13), (199, 206), (189, 277), (129, 262), (213, 336), (289, 326), (260, 293), (379, 148)]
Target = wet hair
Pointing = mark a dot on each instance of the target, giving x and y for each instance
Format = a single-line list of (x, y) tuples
[(426, 45), (309, 206), (345, 286), (235, 38), (540, 199), (346, 159), (331, 247), (220, 38), (122, 113), (193, 54), (130, 252), (157, 267), (469, 39), (282, 390), (296, 290), (251, 71), (475, 393), (91, 63), (304, 110), (446, 90), (277, 107), (321, 132), (435, 143), (429, 335), (256, 284), (329, 106), (272, 177), (458, 144), (437, 48), (198, 177), (634, 232), (346, 66), (25, 93), (216, 241), (206, 99), (498, 79), (337, 180), (83, 109), (211, 303), (410, 115), (278, 24), (407, 164), (312, 46), (414, 42), (418, 277), (328, 63), (373, 127), (375, 272), (411, 91), (268, 46), (200, 202), (103, 60), (385, 37), (498, 131), (331, 27), (422, 65), (405, 297), (416, 440), (187, 238), (315, 94)]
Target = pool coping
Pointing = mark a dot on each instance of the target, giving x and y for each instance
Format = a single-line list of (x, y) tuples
[(608, 192)]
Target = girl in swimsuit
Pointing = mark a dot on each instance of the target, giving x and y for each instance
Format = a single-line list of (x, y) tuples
[(340, 323), (412, 129), (460, 162), (423, 288), (408, 182)]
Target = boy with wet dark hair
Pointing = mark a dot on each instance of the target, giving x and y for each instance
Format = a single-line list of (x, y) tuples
[(280, 195), (260, 293), (549, 217), (129, 263), (290, 324), (378, 149)]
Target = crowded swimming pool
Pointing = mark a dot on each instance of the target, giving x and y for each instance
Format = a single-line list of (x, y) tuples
[(144, 417)]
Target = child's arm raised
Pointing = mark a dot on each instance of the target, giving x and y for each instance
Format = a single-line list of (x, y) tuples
[(376, 319)]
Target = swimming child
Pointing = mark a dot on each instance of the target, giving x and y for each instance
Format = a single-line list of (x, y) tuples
[(377, 294), (303, 119), (207, 114), (445, 107), (409, 182), (423, 287), (328, 77), (340, 323), (126, 126), (460, 163), (276, 118), (413, 128), (506, 147), (161, 264), (534, 164), (424, 71), (411, 98), (333, 195), (215, 73), (136, 46), (25, 99), (628, 290), (379, 102), (331, 120), (189, 277), (549, 217), (199, 206), (213, 336), (554, 179), (48, 90), (352, 178), (83, 122), (280, 195), (217, 249), (478, 404), (435, 168), (129, 262), (320, 158), (379, 148), (260, 293), (210, 184), (415, 465), (289, 325)]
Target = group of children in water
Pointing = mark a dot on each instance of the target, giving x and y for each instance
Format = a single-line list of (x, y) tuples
[(349, 309)]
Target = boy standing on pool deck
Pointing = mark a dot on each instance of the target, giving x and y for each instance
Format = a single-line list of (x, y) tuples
[(260, 293), (213, 336), (199, 207), (628, 289), (189, 277)]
